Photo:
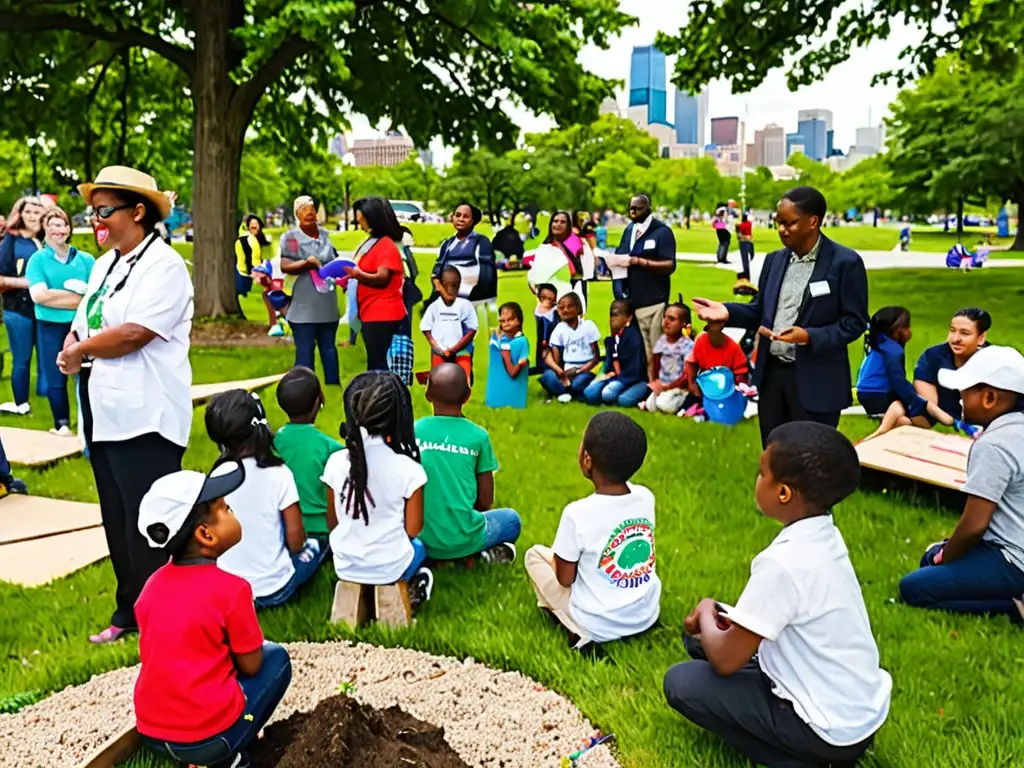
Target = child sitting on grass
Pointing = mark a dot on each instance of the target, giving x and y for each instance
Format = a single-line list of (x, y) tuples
[(572, 352), (460, 464), (274, 556), (304, 448), (668, 361), (625, 380), (508, 360), (375, 499), (980, 568), (450, 323), (790, 676), (208, 681), (712, 349), (598, 578), (546, 318)]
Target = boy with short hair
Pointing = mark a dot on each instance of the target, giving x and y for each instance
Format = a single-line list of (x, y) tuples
[(304, 448), (790, 676), (208, 681), (625, 362), (460, 464), (980, 568), (450, 323), (598, 578)]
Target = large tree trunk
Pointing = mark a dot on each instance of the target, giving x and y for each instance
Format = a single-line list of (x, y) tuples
[(1018, 198), (959, 219)]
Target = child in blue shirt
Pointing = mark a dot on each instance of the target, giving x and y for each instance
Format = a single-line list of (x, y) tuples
[(508, 360), (546, 319), (625, 362)]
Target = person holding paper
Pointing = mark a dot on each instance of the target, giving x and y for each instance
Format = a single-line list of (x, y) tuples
[(812, 303)]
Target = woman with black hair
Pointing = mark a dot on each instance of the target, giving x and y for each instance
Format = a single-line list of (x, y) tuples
[(469, 252), (967, 334), (380, 273), (129, 342), (249, 252)]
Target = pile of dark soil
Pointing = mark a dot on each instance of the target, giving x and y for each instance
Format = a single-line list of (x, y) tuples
[(342, 733)]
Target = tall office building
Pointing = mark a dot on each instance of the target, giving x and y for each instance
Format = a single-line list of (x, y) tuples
[(769, 146), (725, 131), (647, 83), (795, 142), (871, 138), (825, 115), (815, 133), (691, 116)]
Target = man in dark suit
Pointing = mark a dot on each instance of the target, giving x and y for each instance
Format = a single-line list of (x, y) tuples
[(648, 251), (812, 304)]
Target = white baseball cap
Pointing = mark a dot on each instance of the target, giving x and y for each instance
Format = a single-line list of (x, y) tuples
[(999, 367), (170, 500)]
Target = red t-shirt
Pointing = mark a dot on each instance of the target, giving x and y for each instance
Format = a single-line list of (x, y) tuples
[(377, 305), (707, 356), (745, 228), (191, 619)]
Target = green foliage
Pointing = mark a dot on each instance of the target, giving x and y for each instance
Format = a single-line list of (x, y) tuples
[(18, 701)]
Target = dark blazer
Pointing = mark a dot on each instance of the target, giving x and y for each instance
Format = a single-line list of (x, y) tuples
[(643, 287), (833, 321)]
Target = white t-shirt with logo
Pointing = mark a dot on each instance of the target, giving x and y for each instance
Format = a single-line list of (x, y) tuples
[(148, 390), (261, 557), (449, 324), (611, 538), (575, 342), (378, 552), (803, 598)]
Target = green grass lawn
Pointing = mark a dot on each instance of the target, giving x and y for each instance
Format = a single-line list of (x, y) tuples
[(956, 679)]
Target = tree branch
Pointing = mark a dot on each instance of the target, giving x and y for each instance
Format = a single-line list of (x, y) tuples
[(183, 58), (249, 94)]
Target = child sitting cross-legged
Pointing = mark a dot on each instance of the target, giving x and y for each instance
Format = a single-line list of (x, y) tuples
[(460, 464), (375, 503), (598, 578), (712, 349), (450, 323), (668, 363), (545, 318), (625, 379), (980, 568), (508, 360), (274, 556), (790, 675), (572, 352), (208, 681)]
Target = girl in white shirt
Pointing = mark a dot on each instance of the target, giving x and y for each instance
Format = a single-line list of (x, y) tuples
[(375, 490), (274, 556)]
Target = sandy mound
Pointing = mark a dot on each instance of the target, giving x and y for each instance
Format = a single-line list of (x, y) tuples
[(490, 718)]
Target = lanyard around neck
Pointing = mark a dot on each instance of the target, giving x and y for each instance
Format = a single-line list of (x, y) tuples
[(132, 261)]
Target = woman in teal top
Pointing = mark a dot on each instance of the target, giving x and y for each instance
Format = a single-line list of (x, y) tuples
[(57, 275)]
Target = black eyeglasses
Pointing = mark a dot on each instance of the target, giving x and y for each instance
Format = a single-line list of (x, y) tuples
[(106, 211)]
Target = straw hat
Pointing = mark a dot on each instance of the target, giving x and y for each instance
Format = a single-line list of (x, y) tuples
[(119, 177)]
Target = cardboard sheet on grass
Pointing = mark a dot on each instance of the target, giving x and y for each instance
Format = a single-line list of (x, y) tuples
[(203, 392), (919, 454), (37, 448), (37, 561), (23, 518)]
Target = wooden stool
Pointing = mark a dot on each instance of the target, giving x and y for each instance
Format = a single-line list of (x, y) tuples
[(357, 604)]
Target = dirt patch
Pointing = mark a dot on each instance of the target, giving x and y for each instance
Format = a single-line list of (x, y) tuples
[(341, 732), (234, 333)]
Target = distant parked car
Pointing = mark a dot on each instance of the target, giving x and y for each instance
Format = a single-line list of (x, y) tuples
[(409, 210)]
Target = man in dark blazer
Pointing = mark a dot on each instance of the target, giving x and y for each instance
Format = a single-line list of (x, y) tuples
[(648, 251), (812, 304)]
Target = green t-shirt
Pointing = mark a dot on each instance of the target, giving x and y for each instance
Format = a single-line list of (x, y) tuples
[(305, 450), (453, 451)]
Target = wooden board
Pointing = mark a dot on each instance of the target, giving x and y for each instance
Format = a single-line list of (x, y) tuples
[(36, 562), (117, 750), (36, 448), (919, 454), (23, 518), (203, 392)]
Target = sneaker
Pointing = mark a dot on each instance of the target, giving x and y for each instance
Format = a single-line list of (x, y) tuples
[(16, 485), (109, 635), (642, 405), (62, 431), (503, 553), (421, 587), (566, 398), (276, 331), (20, 410)]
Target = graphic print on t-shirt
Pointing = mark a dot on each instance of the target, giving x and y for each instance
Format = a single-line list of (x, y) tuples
[(628, 557)]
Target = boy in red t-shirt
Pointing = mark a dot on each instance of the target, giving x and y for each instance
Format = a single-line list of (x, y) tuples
[(711, 350), (208, 682)]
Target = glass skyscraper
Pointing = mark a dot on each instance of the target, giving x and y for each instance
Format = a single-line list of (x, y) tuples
[(647, 83)]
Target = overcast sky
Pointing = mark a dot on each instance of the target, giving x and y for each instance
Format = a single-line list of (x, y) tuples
[(846, 91)]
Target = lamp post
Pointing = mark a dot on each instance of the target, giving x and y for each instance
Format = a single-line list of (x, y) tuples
[(348, 159)]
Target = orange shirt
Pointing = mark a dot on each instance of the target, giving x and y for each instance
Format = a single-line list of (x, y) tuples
[(706, 356), (385, 304)]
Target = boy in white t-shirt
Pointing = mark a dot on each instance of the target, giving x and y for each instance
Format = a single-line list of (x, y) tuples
[(598, 578), (814, 693), (450, 323), (572, 353)]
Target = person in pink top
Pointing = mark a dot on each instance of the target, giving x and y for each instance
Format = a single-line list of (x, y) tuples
[(560, 234), (721, 225)]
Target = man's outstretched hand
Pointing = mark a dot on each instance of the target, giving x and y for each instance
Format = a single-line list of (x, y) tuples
[(711, 311)]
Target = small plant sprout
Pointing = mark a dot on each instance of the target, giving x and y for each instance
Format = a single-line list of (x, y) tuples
[(346, 688)]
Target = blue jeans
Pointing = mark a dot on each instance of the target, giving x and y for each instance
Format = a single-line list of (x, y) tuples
[(304, 570), (5, 466), (615, 392), (503, 527), (243, 284), (551, 383), (263, 692), (51, 342), (982, 581), (309, 336), (419, 556), (22, 336), (619, 286)]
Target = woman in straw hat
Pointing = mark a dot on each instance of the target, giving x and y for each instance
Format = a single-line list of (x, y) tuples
[(129, 341)]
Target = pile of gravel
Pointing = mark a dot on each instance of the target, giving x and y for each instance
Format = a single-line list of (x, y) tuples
[(490, 718)]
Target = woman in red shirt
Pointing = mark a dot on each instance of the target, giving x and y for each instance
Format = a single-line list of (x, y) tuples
[(380, 276), (745, 232)]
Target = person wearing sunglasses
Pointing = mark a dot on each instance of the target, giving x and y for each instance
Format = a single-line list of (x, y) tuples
[(129, 342)]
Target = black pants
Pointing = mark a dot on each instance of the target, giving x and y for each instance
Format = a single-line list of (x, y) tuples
[(723, 245), (746, 256), (748, 716), (124, 471), (377, 338), (778, 401)]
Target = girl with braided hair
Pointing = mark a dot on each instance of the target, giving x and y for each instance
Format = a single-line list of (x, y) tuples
[(274, 556), (375, 498)]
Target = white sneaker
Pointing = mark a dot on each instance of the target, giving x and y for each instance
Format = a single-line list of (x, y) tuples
[(21, 410), (566, 398), (63, 431)]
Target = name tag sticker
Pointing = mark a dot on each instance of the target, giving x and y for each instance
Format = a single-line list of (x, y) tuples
[(820, 288), (649, 245)]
